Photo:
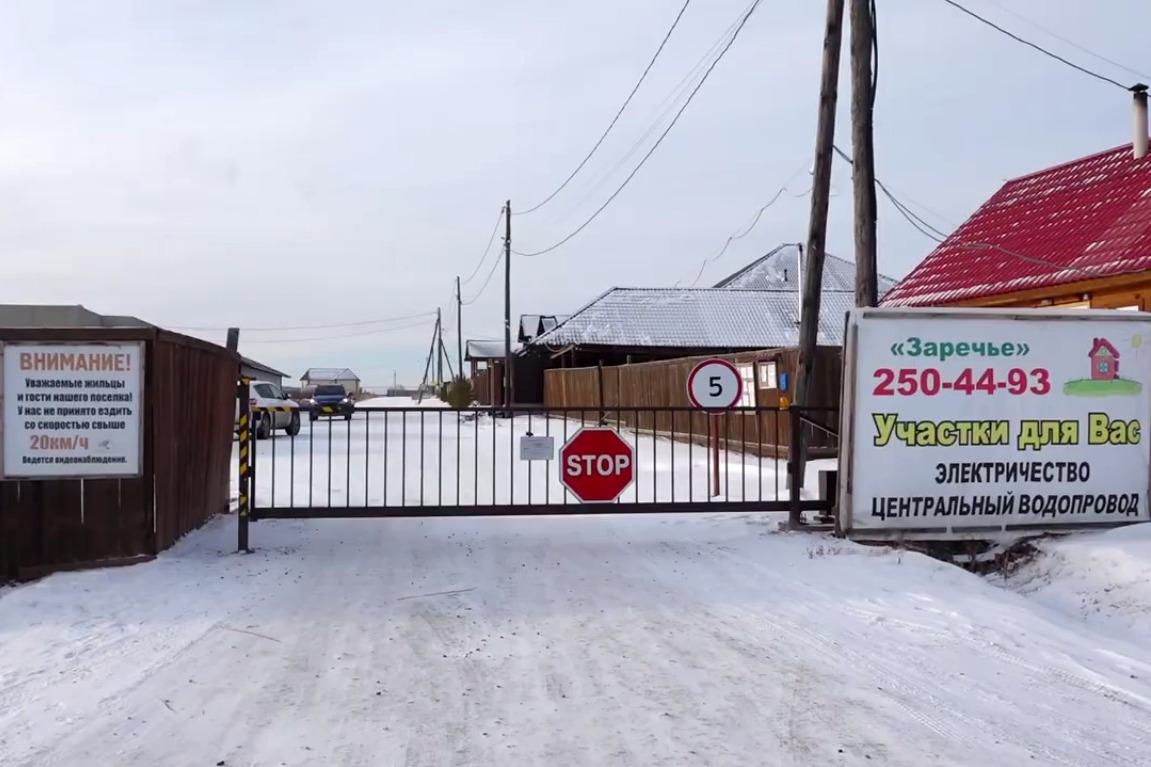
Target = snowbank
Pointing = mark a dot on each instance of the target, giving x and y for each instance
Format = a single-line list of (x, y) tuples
[(400, 402), (1102, 579)]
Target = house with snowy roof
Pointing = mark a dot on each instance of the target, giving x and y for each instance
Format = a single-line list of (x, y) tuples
[(1076, 235), (757, 307), (327, 376)]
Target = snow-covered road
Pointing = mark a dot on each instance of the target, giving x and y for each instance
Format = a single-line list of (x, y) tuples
[(691, 640)]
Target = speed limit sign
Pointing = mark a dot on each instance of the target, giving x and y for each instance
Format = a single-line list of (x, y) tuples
[(714, 385)]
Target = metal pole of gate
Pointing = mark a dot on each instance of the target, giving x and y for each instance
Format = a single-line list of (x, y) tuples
[(713, 424), (795, 469), (244, 465)]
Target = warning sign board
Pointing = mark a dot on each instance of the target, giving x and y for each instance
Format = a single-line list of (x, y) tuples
[(72, 410)]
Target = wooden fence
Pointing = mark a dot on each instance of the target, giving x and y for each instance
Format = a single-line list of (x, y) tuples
[(614, 393), (189, 396)]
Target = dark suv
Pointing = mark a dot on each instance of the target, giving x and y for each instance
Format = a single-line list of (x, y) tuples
[(331, 401)]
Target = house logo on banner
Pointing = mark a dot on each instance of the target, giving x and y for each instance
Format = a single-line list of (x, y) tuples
[(965, 420)]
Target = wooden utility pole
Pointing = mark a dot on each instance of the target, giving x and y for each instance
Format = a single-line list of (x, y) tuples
[(817, 231), (439, 348), (428, 364), (459, 328), (863, 152), (508, 385)]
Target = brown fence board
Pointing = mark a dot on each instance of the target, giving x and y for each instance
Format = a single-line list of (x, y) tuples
[(664, 384)]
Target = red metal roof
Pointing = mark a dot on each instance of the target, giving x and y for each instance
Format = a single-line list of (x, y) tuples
[(1083, 220)]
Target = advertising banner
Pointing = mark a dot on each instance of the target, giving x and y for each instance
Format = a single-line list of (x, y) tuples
[(961, 419), (72, 410)]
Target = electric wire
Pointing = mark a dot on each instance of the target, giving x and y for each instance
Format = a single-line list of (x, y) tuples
[(614, 119), (1037, 47), (358, 323), (654, 147)]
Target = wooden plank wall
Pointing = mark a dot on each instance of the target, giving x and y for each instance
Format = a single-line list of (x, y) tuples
[(193, 412), (187, 431), (628, 389)]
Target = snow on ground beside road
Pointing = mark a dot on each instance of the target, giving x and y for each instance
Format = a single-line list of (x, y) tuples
[(400, 402), (1102, 579), (597, 640)]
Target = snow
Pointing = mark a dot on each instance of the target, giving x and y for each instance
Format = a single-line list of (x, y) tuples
[(700, 639), (1102, 580)]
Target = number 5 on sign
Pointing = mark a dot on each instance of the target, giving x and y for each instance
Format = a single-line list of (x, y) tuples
[(714, 385)]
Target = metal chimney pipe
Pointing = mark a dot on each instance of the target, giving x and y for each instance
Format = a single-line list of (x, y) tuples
[(1139, 146)]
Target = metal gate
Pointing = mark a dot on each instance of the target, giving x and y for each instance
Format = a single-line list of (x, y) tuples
[(433, 461)]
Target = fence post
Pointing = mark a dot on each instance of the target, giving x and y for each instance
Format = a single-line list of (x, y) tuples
[(599, 381), (244, 464), (795, 469)]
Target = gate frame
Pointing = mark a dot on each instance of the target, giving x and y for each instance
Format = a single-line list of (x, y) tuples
[(794, 504)]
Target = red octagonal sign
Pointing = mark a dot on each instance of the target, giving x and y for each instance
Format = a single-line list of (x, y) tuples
[(596, 465)]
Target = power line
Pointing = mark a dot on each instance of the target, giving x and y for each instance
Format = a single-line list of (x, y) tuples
[(931, 232), (614, 119), (925, 228), (655, 146), (487, 249), (664, 108), (487, 279), (1069, 41), (747, 230), (342, 335), (359, 323), (1036, 46)]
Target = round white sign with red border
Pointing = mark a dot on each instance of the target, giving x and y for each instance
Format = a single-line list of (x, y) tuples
[(714, 385)]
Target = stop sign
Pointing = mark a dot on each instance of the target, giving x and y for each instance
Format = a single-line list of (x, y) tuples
[(596, 465)]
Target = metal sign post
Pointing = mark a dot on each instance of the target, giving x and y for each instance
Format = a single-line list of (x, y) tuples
[(716, 386)]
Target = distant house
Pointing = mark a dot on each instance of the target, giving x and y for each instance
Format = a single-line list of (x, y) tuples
[(534, 325), (258, 371), (1077, 235), (757, 307), (782, 269), (1104, 360), (321, 376)]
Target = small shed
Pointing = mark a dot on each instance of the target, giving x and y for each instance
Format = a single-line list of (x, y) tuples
[(117, 437), (258, 371), (486, 359)]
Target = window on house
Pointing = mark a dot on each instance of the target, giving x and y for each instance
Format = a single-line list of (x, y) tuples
[(767, 376), (747, 373)]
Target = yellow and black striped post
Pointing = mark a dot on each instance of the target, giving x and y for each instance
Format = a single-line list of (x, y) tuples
[(245, 433)]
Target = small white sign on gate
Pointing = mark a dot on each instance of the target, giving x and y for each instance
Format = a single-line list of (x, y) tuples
[(537, 448)]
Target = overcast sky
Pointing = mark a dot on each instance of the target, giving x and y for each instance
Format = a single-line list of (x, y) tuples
[(291, 163)]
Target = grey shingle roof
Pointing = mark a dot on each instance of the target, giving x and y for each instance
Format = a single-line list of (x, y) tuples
[(699, 318), (485, 350), (780, 270), (328, 374)]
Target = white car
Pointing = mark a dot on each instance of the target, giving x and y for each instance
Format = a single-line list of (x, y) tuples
[(270, 410)]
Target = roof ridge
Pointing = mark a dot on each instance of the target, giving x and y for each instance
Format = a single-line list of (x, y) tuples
[(1044, 171)]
